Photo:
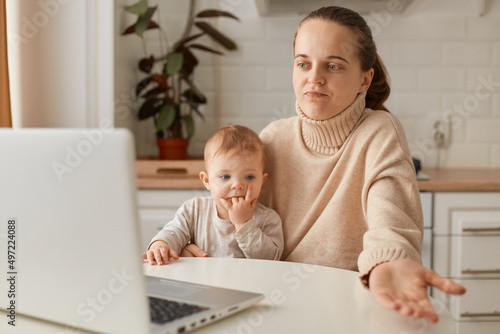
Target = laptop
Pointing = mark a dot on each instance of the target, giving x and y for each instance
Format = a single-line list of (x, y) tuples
[(70, 243)]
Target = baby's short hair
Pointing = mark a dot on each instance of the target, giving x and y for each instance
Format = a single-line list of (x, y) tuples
[(234, 137)]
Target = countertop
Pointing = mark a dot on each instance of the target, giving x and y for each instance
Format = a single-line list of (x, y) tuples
[(176, 174), (460, 180), (169, 174)]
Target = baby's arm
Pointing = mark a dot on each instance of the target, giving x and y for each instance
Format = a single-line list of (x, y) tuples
[(160, 252), (262, 236), (175, 235)]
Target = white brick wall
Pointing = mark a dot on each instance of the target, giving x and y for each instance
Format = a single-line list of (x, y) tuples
[(495, 155), (496, 105), (467, 53), (483, 110), (439, 64), (472, 155), (442, 28), (496, 54), (441, 78), (417, 53)]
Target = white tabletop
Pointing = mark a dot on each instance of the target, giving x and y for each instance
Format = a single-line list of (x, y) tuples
[(299, 298)]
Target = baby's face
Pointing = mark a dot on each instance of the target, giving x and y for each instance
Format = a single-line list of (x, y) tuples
[(230, 174)]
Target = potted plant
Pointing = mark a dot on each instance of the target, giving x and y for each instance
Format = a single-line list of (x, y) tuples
[(168, 93)]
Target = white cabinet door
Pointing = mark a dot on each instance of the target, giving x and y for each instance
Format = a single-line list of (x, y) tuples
[(426, 199), (152, 221), (427, 248), (477, 328), (475, 257), (157, 207), (446, 203), (480, 303)]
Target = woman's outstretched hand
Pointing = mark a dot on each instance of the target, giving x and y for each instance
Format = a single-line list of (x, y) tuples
[(401, 285)]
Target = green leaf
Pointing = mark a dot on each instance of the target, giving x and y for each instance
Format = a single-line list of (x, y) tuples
[(143, 21), (188, 120), (190, 95), (140, 8), (216, 13), (130, 30), (217, 36), (166, 117), (195, 89), (174, 63)]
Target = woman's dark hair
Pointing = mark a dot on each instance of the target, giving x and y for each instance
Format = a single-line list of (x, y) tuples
[(364, 47)]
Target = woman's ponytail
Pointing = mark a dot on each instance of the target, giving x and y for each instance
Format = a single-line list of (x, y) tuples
[(379, 89)]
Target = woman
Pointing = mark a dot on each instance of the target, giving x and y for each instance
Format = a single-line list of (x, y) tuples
[(341, 175)]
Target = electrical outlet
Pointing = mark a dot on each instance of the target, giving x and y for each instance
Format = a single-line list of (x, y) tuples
[(439, 134), (438, 129)]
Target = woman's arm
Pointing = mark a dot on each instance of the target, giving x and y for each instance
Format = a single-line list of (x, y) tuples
[(390, 261), (394, 218)]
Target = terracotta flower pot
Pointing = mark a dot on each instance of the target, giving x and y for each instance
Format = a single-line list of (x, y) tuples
[(172, 148)]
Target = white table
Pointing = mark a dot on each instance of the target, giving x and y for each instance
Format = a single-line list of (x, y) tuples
[(299, 298)]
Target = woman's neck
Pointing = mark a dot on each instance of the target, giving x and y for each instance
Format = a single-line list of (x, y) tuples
[(327, 136)]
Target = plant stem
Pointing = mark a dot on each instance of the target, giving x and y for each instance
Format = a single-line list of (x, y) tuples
[(190, 20), (161, 58), (144, 46), (160, 31)]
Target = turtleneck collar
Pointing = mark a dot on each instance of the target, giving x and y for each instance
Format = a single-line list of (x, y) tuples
[(327, 136)]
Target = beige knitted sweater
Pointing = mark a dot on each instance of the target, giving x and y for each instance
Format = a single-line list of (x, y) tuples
[(345, 188)]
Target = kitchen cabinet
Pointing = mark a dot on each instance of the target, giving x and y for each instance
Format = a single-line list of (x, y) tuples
[(466, 248)]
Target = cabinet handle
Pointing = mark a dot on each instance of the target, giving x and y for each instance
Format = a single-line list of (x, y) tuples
[(481, 229), (479, 315), (481, 271)]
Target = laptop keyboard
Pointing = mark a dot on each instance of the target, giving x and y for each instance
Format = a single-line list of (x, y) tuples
[(164, 310)]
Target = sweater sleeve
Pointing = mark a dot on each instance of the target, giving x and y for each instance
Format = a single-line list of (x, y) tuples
[(263, 239), (177, 232), (394, 217)]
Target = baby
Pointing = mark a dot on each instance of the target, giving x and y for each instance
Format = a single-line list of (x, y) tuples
[(230, 223)]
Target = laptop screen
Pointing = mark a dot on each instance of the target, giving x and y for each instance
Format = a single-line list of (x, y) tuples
[(68, 198)]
